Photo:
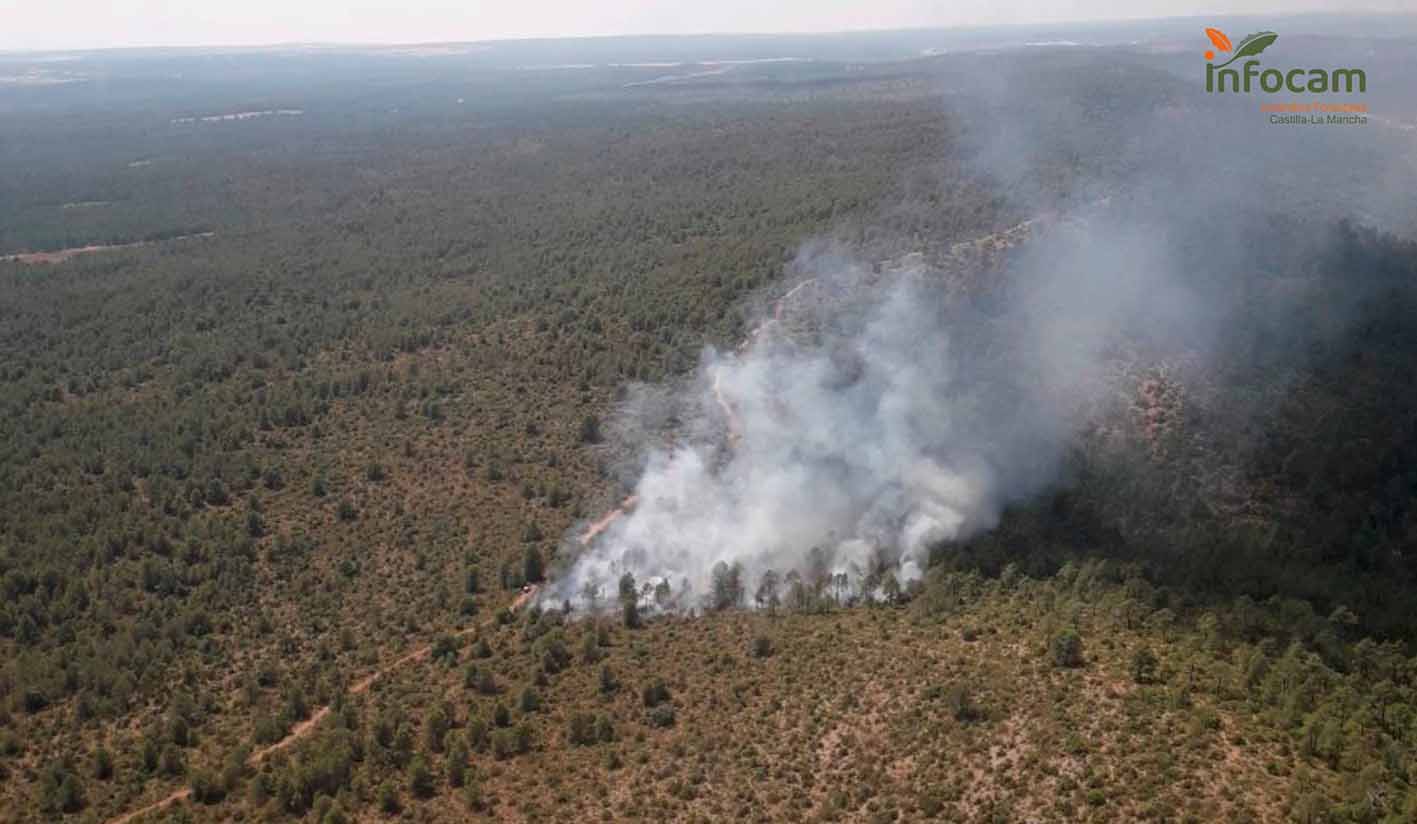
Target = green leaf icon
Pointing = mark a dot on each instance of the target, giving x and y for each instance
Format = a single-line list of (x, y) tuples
[(1256, 43), (1252, 46)]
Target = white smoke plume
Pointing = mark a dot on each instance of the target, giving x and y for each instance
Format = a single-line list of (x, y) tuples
[(878, 412), (870, 416)]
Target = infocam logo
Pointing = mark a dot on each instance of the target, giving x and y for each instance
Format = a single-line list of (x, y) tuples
[(1250, 76)]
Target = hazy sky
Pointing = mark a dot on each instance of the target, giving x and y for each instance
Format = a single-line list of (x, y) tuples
[(60, 24)]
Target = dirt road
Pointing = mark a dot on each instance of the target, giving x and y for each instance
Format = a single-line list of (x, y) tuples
[(308, 726), (608, 519), (61, 255)]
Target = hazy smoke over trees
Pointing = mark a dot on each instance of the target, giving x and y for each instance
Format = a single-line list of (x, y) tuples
[(887, 407), (880, 414)]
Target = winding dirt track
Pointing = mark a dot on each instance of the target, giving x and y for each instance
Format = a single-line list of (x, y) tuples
[(306, 727), (729, 413), (608, 519), (163, 804), (61, 255), (777, 307)]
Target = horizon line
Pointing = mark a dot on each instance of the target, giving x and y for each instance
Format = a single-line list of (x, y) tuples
[(964, 27)]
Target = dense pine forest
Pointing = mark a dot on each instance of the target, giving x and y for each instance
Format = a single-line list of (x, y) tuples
[(282, 458)]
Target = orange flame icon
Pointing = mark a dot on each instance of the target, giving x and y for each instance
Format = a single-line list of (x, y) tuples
[(1219, 39)]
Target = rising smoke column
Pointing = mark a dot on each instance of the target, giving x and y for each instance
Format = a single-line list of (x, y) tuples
[(904, 415), (871, 436)]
